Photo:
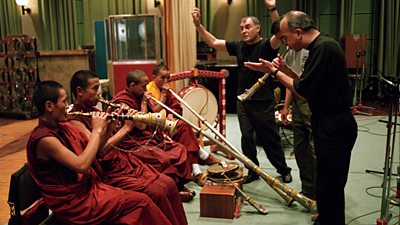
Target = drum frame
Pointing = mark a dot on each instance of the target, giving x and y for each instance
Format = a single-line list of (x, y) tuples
[(195, 87), (194, 73)]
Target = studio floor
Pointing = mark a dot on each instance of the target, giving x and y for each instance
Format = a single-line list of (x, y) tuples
[(363, 190)]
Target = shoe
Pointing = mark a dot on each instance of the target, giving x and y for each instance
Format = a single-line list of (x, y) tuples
[(200, 179), (193, 193), (314, 217), (211, 160), (186, 196), (287, 178), (250, 178)]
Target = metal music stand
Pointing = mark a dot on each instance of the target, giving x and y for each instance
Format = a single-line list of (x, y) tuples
[(385, 215)]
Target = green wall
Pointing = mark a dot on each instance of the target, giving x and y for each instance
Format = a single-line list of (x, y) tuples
[(328, 21)]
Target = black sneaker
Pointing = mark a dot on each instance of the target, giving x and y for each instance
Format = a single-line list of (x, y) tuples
[(287, 178), (250, 178)]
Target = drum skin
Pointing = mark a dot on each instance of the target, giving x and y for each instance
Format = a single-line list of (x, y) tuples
[(201, 100)]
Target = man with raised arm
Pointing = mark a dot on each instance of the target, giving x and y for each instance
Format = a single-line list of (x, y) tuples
[(256, 115)]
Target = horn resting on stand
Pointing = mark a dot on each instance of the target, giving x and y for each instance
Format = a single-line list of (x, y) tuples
[(248, 198), (287, 193)]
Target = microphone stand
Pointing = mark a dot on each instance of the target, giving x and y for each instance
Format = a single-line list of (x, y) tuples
[(385, 215)]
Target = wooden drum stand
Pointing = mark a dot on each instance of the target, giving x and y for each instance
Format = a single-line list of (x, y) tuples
[(195, 73)]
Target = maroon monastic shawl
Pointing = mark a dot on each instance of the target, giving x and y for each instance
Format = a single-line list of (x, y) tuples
[(116, 165), (173, 103), (184, 133), (132, 174), (77, 198), (168, 157)]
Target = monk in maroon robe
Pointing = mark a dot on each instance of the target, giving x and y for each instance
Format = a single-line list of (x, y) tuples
[(144, 135), (183, 134), (62, 161), (119, 170)]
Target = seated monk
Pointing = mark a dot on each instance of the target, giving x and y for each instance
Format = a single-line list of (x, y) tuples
[(62, 161), (159, 89), (119, 170), (145, 136)]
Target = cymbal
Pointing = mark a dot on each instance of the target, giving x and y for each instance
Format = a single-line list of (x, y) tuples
[(217, 170), (233, 176)]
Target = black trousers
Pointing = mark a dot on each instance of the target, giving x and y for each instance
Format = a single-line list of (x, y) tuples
[(334, 138), (303, 146), (259, 117)]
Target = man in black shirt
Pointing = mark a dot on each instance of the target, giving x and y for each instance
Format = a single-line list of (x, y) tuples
[(257, 114), (324, 83)]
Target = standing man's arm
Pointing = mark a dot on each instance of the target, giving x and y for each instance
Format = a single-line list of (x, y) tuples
[(275, 42), (267, 67), (286, 106), (206, 36), (280, 63), (273, 11), (271, 6)]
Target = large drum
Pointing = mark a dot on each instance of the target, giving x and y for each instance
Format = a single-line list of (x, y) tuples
[(201, 100)]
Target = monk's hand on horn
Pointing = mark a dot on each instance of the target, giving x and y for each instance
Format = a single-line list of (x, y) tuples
[(129, 124)]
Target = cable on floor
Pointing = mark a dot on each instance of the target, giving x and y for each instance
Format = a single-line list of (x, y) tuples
[(361, 216), (367, 214), (395, 222), (377, 196), (367, 129)]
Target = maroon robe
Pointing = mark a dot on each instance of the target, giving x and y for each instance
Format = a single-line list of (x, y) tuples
[(184, 133), (77, 198), (132, 174), (166, 156)]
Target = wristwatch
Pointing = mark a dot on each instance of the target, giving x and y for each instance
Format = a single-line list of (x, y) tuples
[(273, 74)]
